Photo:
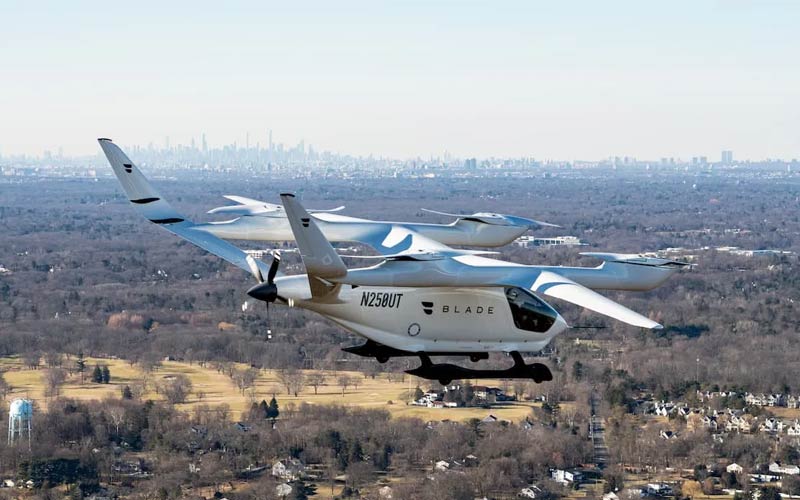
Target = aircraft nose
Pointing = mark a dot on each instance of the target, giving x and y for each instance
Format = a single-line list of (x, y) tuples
[(559, 326)]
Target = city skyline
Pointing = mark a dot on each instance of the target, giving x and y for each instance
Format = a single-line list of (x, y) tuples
[(202, 145), (407, 80)]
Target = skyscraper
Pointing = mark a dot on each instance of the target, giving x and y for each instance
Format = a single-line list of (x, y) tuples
[(727, 157)]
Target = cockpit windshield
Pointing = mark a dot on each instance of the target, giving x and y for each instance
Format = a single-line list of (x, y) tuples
[(529, 312)]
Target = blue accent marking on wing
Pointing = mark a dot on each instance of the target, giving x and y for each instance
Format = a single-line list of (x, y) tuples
[(376, 238)]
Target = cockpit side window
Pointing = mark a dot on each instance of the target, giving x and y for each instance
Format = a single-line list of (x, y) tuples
[(529, 312)]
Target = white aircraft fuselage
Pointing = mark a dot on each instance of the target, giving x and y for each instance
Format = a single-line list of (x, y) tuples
[(341, 228), (432, 319)]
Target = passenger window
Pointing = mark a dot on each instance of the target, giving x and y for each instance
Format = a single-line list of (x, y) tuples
[(529, 312)]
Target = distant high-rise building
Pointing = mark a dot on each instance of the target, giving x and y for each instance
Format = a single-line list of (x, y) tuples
[(205, 145), (727, 157)]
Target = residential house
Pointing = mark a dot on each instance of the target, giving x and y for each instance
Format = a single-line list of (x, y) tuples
[(710, 423), (667, 435), (775, 400), (289, 470), (739, 423), (771, 425), (481, 391), (793, 429), (793, 401), (566, 477), (734, 468), (664, 409), (755, 399), (778, 468)]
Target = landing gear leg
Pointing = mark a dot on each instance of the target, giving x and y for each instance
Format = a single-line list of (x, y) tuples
[(537, 371), (540, 373), (425, 360)]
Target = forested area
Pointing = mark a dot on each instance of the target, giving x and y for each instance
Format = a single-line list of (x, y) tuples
[(87, 274), (174, 453), (88, 277)]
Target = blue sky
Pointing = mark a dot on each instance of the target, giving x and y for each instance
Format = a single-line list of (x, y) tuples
[(566, 80)]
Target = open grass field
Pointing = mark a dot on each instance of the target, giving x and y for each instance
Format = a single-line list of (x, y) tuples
[(213, 388)]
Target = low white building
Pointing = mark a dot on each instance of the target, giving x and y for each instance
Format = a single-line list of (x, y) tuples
[(530, 241), (778, 468), (565, 476), (734, 468)]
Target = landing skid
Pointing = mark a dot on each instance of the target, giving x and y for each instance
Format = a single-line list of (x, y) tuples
[(446, 372), (383, 353)]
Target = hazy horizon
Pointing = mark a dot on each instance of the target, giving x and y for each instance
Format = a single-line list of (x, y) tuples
[(406, 80)]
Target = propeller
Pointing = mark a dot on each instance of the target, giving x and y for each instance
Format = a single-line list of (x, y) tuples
[(497, 219), (265, 290)]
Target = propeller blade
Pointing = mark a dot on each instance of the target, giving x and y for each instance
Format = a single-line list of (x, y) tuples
[(254, 269), (273, 268)]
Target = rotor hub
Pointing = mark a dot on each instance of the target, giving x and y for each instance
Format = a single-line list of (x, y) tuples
[(268, 292)]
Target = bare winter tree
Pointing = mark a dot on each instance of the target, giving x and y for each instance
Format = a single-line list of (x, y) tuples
[(177, 389), (315, 380), (345, 381), (244, 379), (5, 387), (292, 379), (53, 378)]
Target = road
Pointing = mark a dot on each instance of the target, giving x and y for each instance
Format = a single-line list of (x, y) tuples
[(597, 434)]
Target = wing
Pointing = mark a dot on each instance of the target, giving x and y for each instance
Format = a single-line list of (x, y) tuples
[(149, 203), (473, 271), (555, 285)]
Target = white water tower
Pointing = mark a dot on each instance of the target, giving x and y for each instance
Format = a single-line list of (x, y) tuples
[(20, 416)]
